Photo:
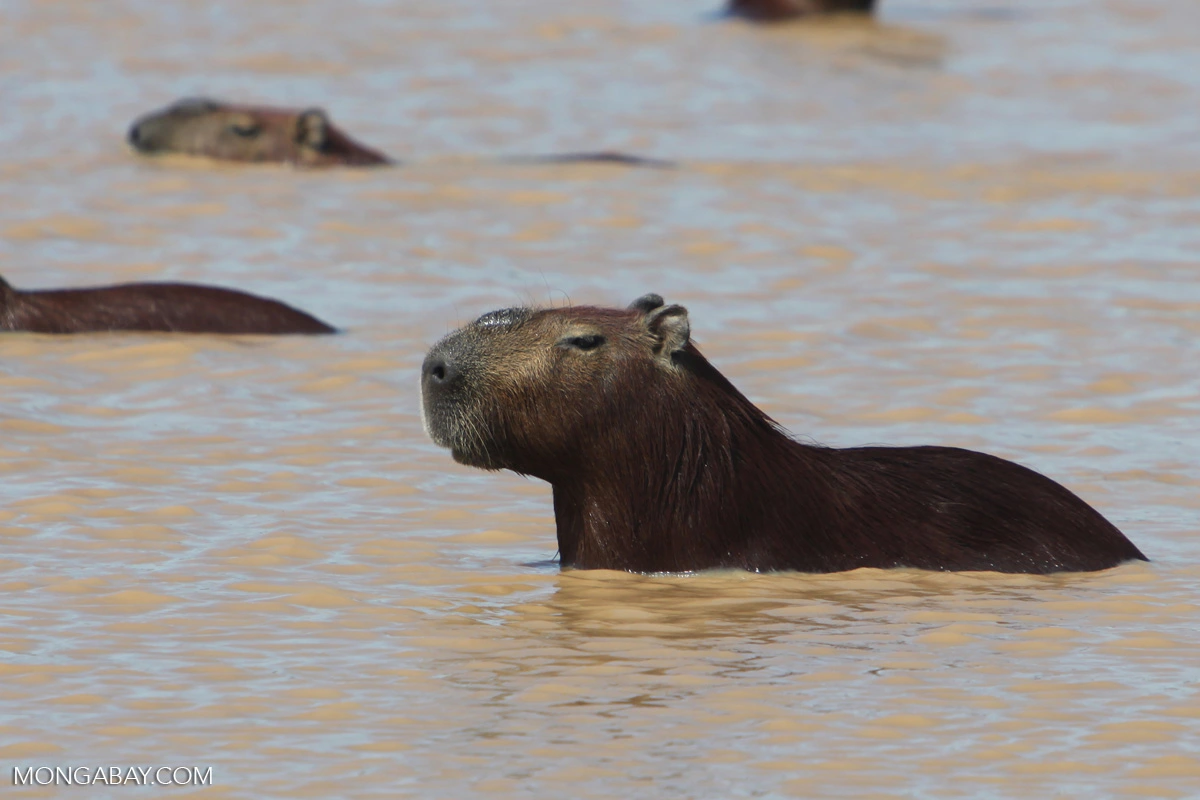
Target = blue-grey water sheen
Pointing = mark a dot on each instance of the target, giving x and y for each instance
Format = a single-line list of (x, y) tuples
[(968, 223)]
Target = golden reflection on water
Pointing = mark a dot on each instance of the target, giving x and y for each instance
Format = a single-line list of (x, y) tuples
[(245, 553)]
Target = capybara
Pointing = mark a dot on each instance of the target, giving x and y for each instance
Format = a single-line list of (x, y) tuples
[(203, 127), (174, 307), (208, 128), (780, 10), (598, 157), (659, 464)]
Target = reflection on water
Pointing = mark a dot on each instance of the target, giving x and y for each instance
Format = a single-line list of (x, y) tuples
[(949, 226), (849, 43)]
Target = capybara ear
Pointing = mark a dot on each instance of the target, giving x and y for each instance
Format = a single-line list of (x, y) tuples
[(646, 303), (671, 330), (312, 128)]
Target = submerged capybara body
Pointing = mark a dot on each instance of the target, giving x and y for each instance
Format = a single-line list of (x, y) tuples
[(266, 135), (170, 307), (659, 464), (203, 127), (780, 10)]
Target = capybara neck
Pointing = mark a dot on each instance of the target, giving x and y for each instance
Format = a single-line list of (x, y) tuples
[(162, 307), (781, 10), (702, 439), (211, 129), (659, 464)]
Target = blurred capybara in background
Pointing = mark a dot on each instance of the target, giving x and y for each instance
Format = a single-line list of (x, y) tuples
[(203, 127), (659, 464), (779, 10), (259, 134), (173, 307)]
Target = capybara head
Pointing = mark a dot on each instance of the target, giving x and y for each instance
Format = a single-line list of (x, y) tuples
[(533, 389), (203, 127)]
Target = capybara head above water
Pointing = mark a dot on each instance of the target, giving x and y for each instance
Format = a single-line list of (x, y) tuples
[(659, 464), (165, 307), (202, 127), (780, 10)]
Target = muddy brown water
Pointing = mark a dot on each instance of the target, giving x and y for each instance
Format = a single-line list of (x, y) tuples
[(972, 223)]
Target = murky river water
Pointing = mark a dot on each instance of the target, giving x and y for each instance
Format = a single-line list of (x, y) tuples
[(973, 223)]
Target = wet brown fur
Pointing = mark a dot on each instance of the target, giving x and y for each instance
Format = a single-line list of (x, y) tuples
[(659, 464), (780, 10), (202, 127), (174, 307)]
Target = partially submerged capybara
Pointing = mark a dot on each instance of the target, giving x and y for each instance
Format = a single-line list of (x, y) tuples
[(779, 10), (174, 307), (203, 127), (659, 464), (260, 134)]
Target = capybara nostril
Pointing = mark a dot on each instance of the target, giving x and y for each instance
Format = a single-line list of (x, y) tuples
[(439, 372), (134, 135)]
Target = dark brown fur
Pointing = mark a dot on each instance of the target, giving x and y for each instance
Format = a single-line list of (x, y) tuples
[(202, 127), (659, 464), (175, 307), (780, 10)]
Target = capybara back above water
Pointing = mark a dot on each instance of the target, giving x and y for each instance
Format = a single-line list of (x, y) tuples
[(658, 464), (780, 10), (167, 307), (203, 127)]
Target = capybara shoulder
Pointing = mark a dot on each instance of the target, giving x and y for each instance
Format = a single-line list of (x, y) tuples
[(203, 127), (781, 10), (167, 307), (658, 463)]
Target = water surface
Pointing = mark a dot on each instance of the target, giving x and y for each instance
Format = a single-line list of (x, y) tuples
[(970, 224)]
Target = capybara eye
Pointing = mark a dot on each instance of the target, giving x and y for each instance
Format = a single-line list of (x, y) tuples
[(586, 342), (244, 130)]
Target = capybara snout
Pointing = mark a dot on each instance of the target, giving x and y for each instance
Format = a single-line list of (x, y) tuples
[(181, 127)]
